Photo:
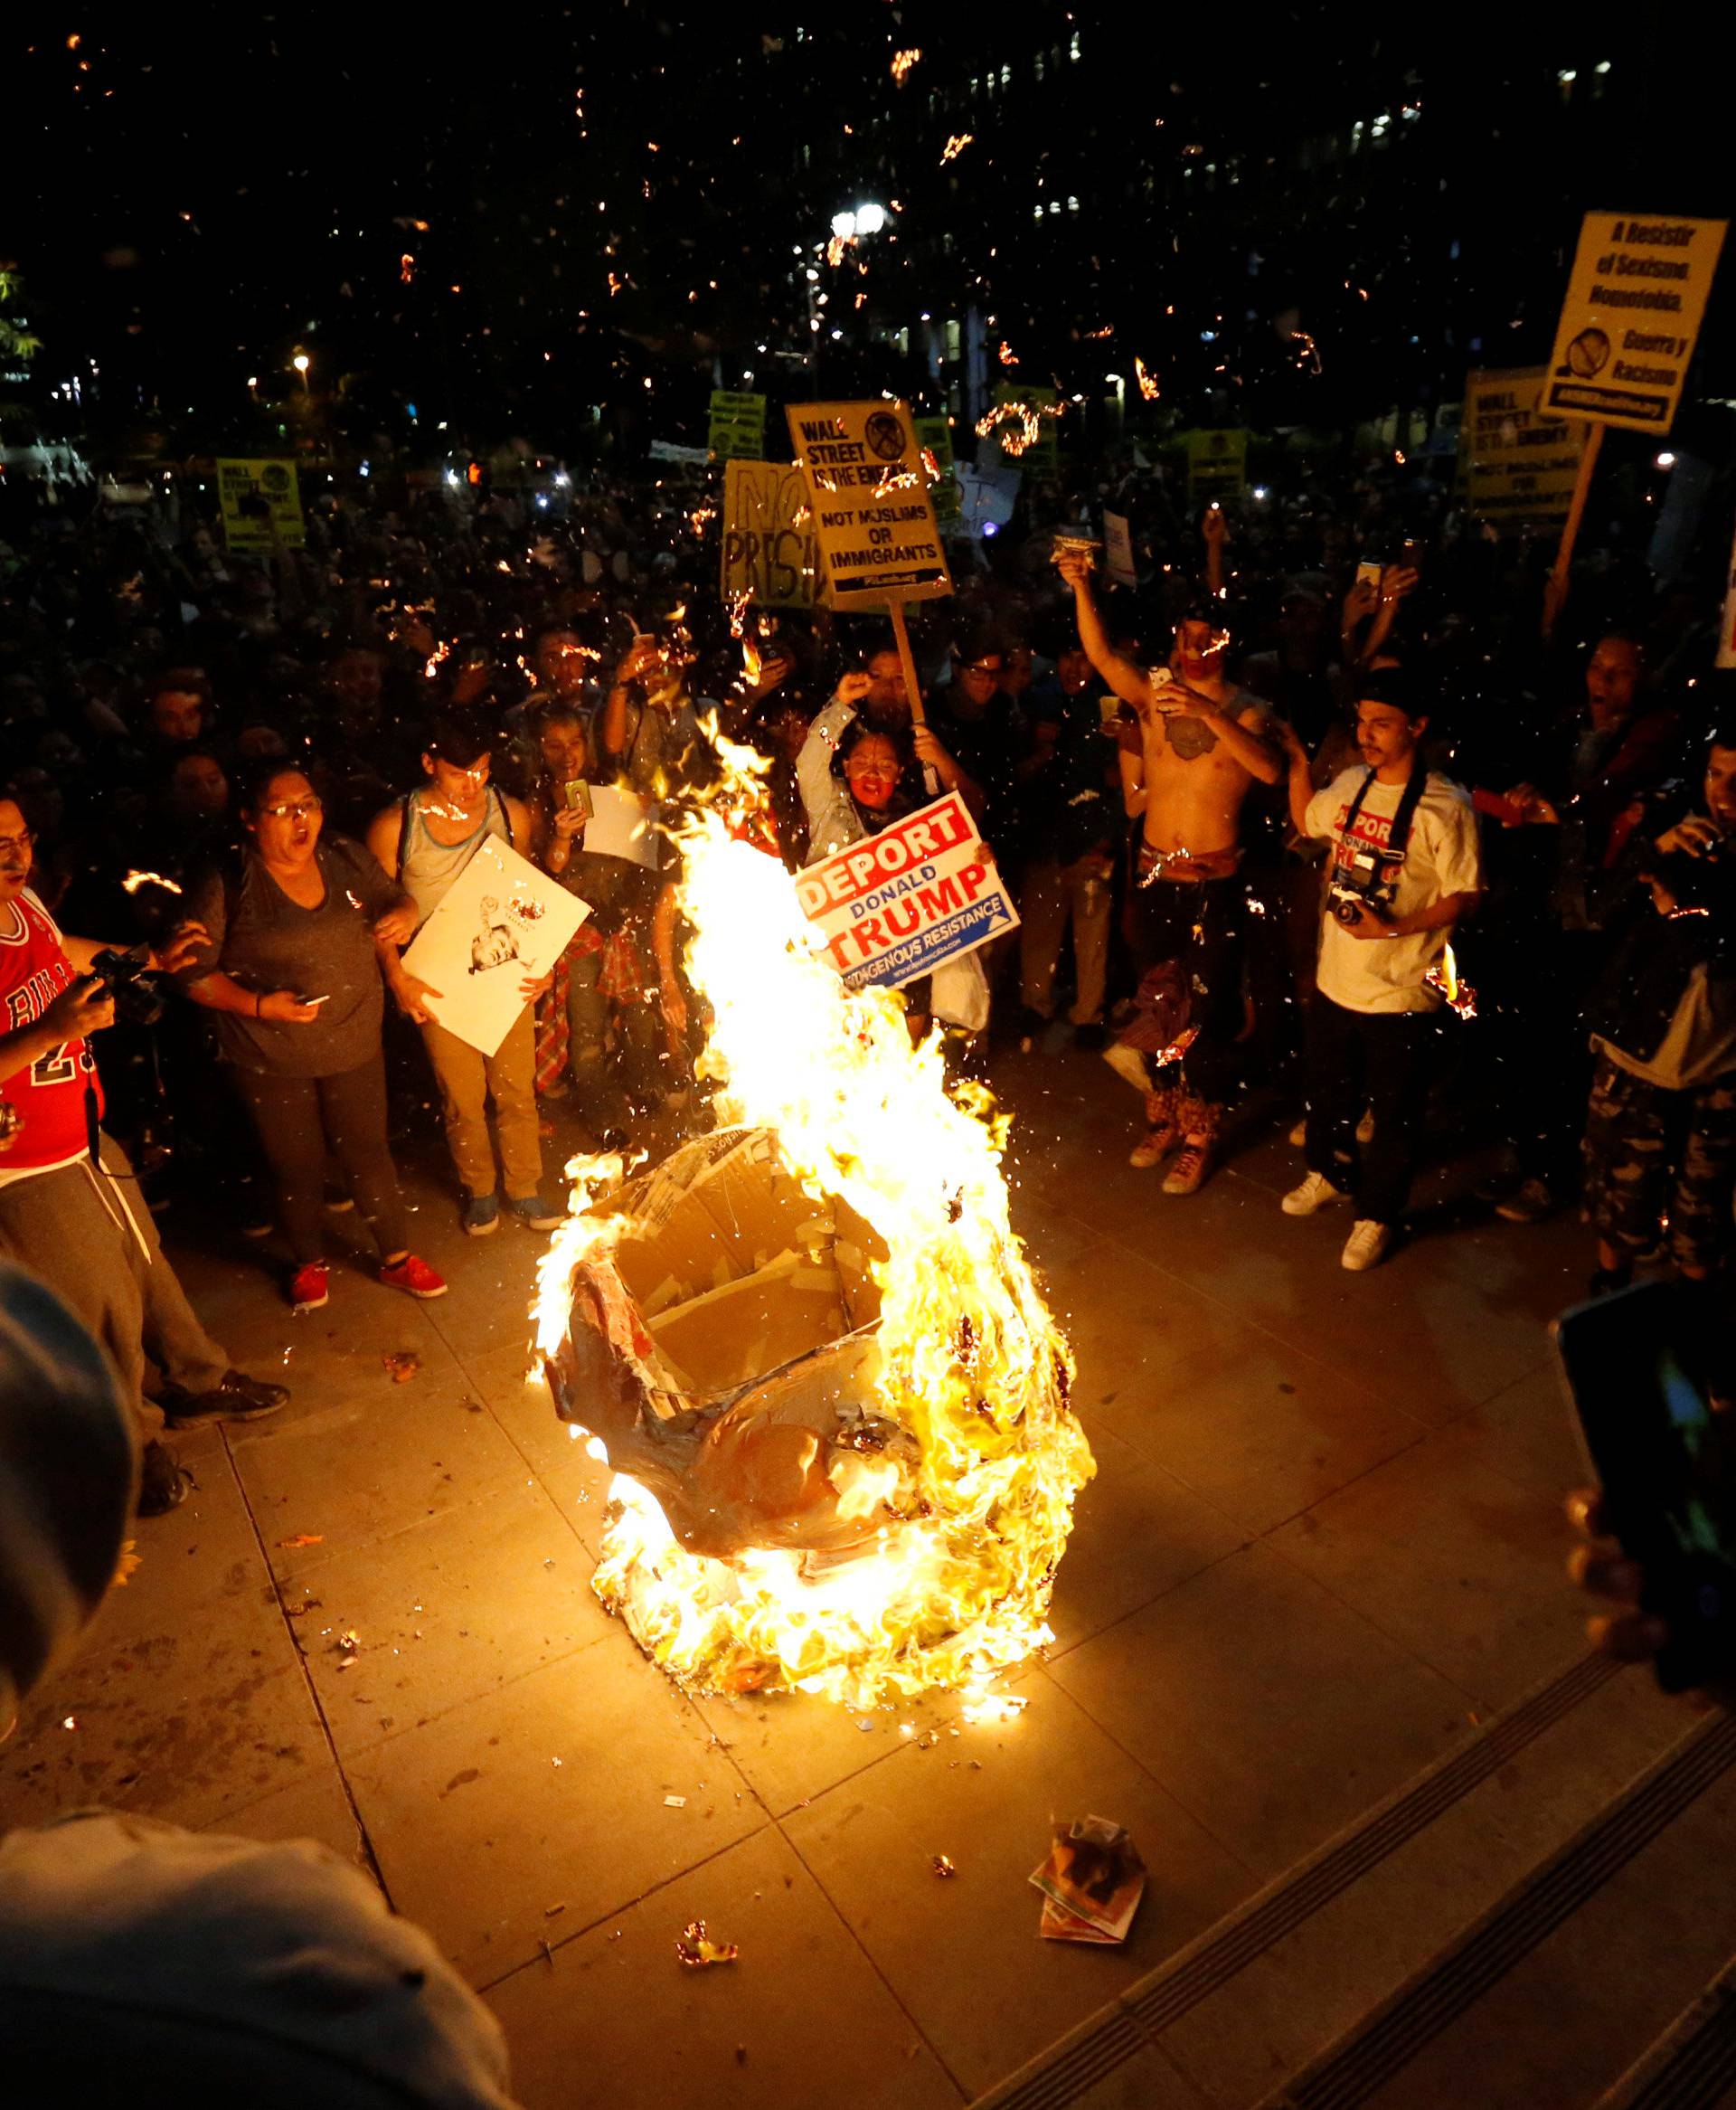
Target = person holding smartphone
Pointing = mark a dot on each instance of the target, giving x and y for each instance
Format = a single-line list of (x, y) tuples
[(289, 965)]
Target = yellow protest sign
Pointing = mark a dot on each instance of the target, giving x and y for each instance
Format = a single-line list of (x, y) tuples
[(769, 549), (872, 515), (1514, 463), (935, 436), (1217, 463), (262, 505), (738, 426), (1634, 303)]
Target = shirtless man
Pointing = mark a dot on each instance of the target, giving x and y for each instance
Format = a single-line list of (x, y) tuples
[(1203, 742)]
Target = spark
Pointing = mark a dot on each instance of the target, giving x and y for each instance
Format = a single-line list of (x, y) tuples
[(902, 62), (1146, 380), (1307, 353), (134, 880), (1008, 357), (406, 267), (1023, 424), (955, 144)]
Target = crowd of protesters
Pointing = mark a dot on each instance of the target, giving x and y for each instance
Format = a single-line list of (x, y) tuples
[(1269, 817)]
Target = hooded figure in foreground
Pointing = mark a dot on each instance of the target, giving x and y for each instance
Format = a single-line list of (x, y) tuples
[(146, 1965)]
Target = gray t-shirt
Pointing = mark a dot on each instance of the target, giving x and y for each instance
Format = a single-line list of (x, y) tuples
[(264, 941)]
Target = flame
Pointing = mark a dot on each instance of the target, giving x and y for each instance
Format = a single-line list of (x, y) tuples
[(1147, 381), (406, 267), (1022, 423), (1461, 997), (902, 62), (134, 880), (955, 144), (955, 1589), (1008, 357)]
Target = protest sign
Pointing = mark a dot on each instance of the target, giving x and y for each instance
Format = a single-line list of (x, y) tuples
[(262, 505), (1118, 567), (1727, 628), (900, 904), (502, 922), (738, 425), (878, 538), (1515, 463), (623, 825), (1217, 463), (768, 549), (935, 436), (1042, 456), (1628, 328)]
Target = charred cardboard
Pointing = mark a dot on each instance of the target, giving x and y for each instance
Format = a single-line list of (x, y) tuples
[(725, 1353)]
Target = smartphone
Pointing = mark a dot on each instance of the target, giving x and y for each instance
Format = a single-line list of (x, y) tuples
[(1368, 573), (1639, 1370), (578, 796)]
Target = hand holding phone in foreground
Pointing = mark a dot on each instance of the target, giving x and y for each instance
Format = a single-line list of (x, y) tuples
[(1646, 1371)]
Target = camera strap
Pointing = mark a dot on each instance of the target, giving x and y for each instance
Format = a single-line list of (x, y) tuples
[(1398, 834)]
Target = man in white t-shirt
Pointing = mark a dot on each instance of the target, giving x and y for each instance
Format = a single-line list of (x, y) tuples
[(1403, 869)]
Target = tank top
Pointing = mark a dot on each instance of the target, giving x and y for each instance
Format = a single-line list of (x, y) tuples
[(54, 1098), (426, 869)]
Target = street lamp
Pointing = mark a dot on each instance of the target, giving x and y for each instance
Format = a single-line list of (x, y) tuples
[(301, 363)]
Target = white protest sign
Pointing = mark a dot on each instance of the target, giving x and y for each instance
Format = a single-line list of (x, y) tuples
[(622, 825), (872, 515), (1629, 323), (501, 923), (900, 904), (1119, 566)]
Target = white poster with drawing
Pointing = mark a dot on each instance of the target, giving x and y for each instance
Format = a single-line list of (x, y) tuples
[(503, 922)]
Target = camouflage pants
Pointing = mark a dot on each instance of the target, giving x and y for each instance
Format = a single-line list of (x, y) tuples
[(1661, 1163)]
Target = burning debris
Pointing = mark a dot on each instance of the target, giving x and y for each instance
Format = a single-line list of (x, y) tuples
[(695, 1948), (810, 1343)]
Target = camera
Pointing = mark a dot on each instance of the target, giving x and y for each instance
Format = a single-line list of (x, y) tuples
[(133, 989), (1361, 884)]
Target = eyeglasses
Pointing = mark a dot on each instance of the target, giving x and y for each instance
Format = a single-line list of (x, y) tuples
[(302, 810), (16, 842)]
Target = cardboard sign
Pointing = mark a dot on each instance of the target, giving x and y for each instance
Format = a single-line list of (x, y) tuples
[(768, 551), (1118, 567), (500, 922), (877, 537), (738, 425), (1629, 323), (935, 434), (622, 825), (1217, 463), (262, 505), (899, 904), (1515, 463)]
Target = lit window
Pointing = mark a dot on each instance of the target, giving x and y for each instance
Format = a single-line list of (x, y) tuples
[(1072, 204), (1039, 211), (1006, 76), (1055, 204), (1039, 65), (1072, 47)]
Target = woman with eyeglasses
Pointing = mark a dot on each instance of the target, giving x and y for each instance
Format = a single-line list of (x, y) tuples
[(291, 971)]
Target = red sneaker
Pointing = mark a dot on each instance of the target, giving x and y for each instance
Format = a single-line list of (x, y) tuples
[(310, 1286), (414, 1275)]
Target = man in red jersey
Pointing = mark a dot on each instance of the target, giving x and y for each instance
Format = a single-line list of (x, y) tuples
[(69, 1208)]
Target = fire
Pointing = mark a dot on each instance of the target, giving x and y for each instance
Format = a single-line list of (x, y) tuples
[(903, 60), (134, 880), (955, 144), (1021, 424), (963, 1513), (1147, 381)]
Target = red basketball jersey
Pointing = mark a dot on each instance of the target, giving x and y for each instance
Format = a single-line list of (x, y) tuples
[(48, 1098)]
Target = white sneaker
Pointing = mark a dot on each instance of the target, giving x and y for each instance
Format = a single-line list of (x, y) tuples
[(1315, 1193), (1366, 1245), (1299, 1133), (1128, 1065)]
